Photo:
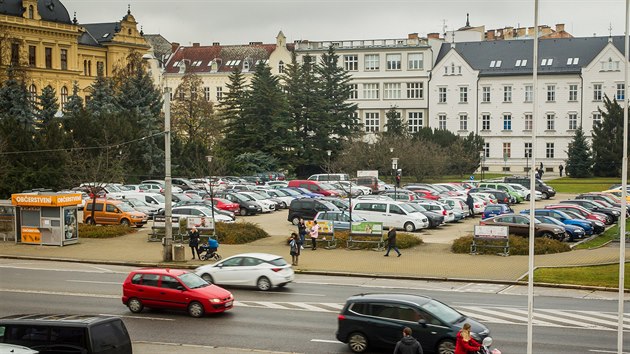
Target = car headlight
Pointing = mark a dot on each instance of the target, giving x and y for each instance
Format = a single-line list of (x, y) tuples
[(557, 230), (615, 212), (251, 206), (214, 301)]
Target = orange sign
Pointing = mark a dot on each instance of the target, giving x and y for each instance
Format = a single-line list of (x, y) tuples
[(31, 235), (45, 200)]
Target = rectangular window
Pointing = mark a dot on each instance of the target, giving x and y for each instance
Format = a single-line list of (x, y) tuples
[(485, 94), (393, 61), (391, 90), (549, 151), (48, 57), (442, 121), (463, 122), (507, 150), (414, 121), (193, 93), (219, 93), (529, 93), (415, 61), (100, 68), (597, 119), (529, 122), (354, 91), (32, 56), (573, 121), (372, 122), (15, 54), (351, 62), (372, 62), (370, 91), (463, 94), (415, 90), (507, 122), (528, 150), (64, 59), (551, 121), (597, 92), (507, 93), (442, 94), (485, 122), (551, 93), (486, 150), (620, 92), (206, 93), (573, 93)]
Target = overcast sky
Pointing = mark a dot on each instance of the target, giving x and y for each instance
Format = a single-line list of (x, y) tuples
[(244, 21)]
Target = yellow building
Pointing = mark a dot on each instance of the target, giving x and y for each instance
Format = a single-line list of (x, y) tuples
[(57, 51)]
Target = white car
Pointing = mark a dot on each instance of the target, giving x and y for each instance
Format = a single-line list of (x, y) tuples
[(347, 186), (437, 207), (266, 204), (262, 270), (283, 196), (524, 192)]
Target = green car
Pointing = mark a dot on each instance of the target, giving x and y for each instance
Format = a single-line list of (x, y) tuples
[(504, 187)]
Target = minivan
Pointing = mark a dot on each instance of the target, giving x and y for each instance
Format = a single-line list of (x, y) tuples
[(547, 191), (392, 214), (307, 208), (367, 181), (316, 187), (329, 177), (87, 334), (112, 212)]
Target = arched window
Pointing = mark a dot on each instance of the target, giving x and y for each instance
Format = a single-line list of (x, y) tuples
[(64, 97), (281, 67), (89, 68), (32, 90), (85, 67), (31, 12)]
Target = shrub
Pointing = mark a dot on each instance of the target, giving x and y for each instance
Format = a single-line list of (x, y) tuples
[(518, 246), (103, 231), (239, 233), (403, 240)]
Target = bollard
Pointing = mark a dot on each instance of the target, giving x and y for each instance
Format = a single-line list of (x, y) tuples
[(178, 253)]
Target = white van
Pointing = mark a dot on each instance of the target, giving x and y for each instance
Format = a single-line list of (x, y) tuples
[(324, 177), (156, 199), (391, 214)]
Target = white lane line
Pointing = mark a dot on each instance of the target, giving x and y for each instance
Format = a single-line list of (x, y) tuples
[(606, 351), (139, 317), (101, 269), (41, 292), (95, 282), (483, 318), (520, 316), (311, 307), (602, 322), (325, 341), (61, 270), (607, 315), (286, 293)]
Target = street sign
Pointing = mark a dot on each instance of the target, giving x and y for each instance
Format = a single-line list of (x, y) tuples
[(472, 177)]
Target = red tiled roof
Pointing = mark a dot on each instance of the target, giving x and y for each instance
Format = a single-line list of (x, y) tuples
[(198, 58)]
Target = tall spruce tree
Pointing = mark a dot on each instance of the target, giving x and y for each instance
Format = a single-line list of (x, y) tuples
[(50, 138), (607, 143), (395, 127), (101, 101), (75, 102), (296, 96), (47, 107), (231, 115), (579, 162)]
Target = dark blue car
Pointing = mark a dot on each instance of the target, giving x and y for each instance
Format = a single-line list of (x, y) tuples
[(496, 209), (564, 218), (574, 232)]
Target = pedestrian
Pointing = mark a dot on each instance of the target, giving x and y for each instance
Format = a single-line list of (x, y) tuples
[(314, 235), (301, 232), (471, 205), (464, 344), (408, 344), (541, 166), (391, 242), (537, 175), (193, 242), (560, 168), (540, 172), (295, 248)]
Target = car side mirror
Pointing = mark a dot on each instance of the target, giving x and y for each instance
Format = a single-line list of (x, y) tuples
[(179, 287), (423, 323)]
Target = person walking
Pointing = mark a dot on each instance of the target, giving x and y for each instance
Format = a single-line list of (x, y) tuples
[(560, 168), (471, 205), (193, 242), (408, 344), (464, 344), (391, 242), (314, 235), (301, 232), (295, 248)]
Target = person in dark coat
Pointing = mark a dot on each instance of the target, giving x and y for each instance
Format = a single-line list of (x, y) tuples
[(560, 168), (471, 205), (301, 232), (408, 344), (391, 242), (193, 242)]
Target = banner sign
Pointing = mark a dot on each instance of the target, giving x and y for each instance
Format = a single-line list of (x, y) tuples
[(491, 232), (367, 228), (325, 226)]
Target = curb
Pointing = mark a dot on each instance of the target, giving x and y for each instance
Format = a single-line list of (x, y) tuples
[(340, 274)]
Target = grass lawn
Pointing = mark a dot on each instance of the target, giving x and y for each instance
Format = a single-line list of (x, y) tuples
[(608, 235), (605, 275), (581, 185)]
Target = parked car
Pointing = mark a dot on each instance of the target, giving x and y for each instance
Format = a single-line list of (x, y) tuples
[(612, 212), (142, 206), (582, 211), (496, 209), (519, 225), (574, 232), (307, 208), (155, 199), (525, 192), (598, 226), (247, 206), (267, 205), (327, 177), (305, 192), (161, 184), (207, 204), (438, 207), (402, 195), (339, 218), (459, 204), (516, 197), (199, 211), (502, 197), (183, 183), (435, 219), (427, 194), (174, 289), (375, 321), (112, 212), (342, 204), (599, 196), (367, 181), (542, 187), (262, 270), (391, 214), (282, 195), (316, 187), (566, 219), (348, 186), (225, 204)]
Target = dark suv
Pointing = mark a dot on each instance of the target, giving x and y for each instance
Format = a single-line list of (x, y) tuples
[(547, 191), (307, 208), (377, 320), (67, 333)]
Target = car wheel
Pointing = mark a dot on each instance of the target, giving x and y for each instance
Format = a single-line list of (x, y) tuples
[(357, 342), (545, 195), (135, 305), (195, 309), (208, 278), (446, 346), (243, 212), (410, 227), (283, 205), (295, 220), (548, 235), (527, 198), (263, 284), (124, 222), (90, 221)]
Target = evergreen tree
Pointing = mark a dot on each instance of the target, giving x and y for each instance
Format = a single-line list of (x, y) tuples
[(48, 107), (101, 101), (395, 127), (15, 99), (231, 115), (579, 161), (296, 96), (75, 102), (607, 143)]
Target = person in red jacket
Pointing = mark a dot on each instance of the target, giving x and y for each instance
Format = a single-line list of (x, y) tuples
[(465, 344)]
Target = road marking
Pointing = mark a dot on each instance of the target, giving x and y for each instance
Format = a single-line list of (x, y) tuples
[(63, 270), (95, 282), (286, 293), (61, 293), (139, 317), (325, 341), (606, 351)]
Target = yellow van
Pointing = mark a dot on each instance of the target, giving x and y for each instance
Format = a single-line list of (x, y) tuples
[(112, 212)]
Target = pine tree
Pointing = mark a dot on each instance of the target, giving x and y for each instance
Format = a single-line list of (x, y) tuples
[(75, 102), (607, 143), (101, 101), (231, 115), (15, 102), (579, 162), (395, 127), (50, 137), (47, 107)]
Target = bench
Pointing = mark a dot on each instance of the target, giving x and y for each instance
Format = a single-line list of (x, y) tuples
[(355, 239), (496, 243), (327, 239)]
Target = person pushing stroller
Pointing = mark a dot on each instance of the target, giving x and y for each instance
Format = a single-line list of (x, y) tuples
[(209, 250)]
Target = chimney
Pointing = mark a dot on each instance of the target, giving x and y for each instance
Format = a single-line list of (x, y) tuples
[(195, 44), (521, 32), (560, 27), (508, 33), (255, 43), (530, 31), (490, 35), (174, 46), (412, 35), (433, 35), (216, 44)]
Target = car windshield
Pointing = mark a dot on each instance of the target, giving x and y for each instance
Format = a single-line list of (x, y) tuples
[(255, 196), (125, 207), (407, 208), (550, 220), (442, 311), (290, 192), (240, 197), (281, 193), (278, 262), (159, 198), (418, 207), (192, 280), (327, 186), (223, 201)]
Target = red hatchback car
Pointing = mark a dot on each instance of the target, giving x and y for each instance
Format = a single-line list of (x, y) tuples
[(174, 289), (225, 204)]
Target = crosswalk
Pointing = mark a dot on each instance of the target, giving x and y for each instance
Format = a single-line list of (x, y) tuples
[(595, 320)]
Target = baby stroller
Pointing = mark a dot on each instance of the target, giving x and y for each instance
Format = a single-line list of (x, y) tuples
[(208, 251)]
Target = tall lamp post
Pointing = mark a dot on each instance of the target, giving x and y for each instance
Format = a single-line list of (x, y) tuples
[(214, 228), (391, 152), (394, 169), (482, 157), (328, 152)]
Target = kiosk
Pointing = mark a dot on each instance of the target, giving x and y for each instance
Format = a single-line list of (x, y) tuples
[(46, 219)]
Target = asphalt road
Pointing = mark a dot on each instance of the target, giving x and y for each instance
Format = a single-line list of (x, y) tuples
[(302, 317)]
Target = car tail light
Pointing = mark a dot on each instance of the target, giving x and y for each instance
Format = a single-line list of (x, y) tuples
[(482, 223), (444, 212), (341, 317), (276, 269), (477, 206)]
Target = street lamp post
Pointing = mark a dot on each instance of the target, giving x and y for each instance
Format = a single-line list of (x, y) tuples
[(394, 168), (391, 152), (482, 157), (328, 152), (214, 227)]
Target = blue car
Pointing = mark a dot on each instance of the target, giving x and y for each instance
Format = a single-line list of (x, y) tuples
[(564, 218), (496, 209), (304, 192), (574, 232)]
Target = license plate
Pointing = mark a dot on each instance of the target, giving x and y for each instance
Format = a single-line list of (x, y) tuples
[(228, 304)]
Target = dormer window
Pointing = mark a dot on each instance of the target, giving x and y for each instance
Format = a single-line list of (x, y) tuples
[(493, 63), (31, 12), (246, 65), (572, 61)]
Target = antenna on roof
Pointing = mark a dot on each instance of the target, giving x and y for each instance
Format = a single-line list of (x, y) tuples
[(610, 29), (128, 9), (467, 20), (444, 27)]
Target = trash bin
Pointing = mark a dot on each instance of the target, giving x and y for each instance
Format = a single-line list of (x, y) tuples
[(178, 253)]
